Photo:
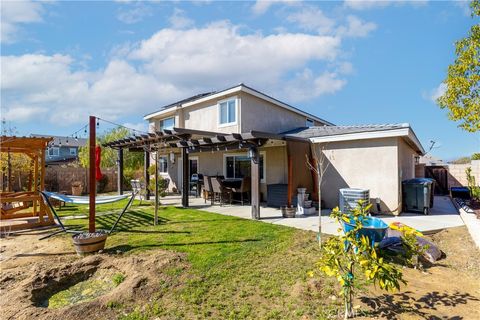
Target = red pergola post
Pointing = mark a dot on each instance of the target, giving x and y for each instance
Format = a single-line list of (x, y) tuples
[(91, 180)]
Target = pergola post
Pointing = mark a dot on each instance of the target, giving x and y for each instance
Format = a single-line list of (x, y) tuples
[(185, 178), (255, 177), (155, 221), (120, 172), (91, 179), (147, 175)]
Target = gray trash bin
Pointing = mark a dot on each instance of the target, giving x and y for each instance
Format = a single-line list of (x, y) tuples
[(418, 195)]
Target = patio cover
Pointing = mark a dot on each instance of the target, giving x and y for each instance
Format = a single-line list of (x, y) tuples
[(191, 141)]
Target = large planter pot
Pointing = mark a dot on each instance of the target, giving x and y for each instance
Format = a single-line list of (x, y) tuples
[(288, 212), (89, 242), (77, 190)]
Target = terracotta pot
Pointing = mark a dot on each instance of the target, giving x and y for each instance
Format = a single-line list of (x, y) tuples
[(77, 190)]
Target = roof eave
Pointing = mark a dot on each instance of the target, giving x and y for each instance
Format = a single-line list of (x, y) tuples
[(407, 133)]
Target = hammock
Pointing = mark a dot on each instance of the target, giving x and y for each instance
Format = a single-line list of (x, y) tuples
[(82, 200)]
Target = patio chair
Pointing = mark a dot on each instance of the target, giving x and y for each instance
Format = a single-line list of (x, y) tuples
[(220, 191), (207, 189), (244, 188), (139, 189)]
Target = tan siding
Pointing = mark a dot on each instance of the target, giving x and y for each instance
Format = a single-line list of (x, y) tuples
[(370, 164), (261, 115)]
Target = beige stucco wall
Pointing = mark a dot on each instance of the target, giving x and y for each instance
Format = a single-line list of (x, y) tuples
[(406, 160), (205, 116), (252, 114), (370, 164), (258, 114)]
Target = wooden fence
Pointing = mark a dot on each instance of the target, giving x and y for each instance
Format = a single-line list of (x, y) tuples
[(60, 179)]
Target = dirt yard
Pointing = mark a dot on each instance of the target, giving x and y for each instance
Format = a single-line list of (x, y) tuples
[(32, 270), (448, 290)]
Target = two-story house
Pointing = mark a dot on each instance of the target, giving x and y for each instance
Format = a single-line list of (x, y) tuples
[(234, 110), (349, 149), (62, 149)]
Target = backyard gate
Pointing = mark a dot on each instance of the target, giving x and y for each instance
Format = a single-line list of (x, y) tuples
[(440, 175)]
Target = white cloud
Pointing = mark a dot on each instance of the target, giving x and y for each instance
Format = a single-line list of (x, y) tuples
[(178, 20), (23, 113), (312, 19), (132, 15), (306, 85), (168, 66), (183, 57), (43, 82), (356, 28), (140, 126), (262, 6), (371, 4), (16, 13), (435, 93)]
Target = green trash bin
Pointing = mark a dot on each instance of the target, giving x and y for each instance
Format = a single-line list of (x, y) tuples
[(418, 195)]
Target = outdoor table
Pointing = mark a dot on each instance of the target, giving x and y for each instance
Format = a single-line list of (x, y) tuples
[(232, 182)]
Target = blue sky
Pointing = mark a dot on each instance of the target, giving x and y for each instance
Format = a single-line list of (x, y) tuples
[(352, 62)]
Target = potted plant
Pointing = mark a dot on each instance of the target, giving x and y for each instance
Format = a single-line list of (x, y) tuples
[(77, 188), (288, 211)]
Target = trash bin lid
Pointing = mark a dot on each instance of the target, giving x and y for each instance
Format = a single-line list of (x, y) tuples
[(418, 181)]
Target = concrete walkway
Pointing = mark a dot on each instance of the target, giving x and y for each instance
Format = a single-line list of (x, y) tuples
[(443, 215)]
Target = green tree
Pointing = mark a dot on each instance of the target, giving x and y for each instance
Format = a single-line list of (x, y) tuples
[(462, 93), (131, 160)]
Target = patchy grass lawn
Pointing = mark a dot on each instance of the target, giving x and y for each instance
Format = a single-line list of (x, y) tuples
[(231, 268), (238, 269)]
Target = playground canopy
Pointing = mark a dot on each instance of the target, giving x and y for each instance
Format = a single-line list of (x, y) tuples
[(25, 209)]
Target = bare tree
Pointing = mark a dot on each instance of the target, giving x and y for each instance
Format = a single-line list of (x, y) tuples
[(318, 164)]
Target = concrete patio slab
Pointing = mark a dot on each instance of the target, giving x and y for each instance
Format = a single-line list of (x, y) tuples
[(443, 215)]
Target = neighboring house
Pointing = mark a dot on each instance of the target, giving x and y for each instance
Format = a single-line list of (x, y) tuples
[(62, 149), (373, 157)]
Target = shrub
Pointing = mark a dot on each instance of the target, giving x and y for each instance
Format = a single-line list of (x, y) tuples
[(102, 184), (476, 156), (472, 185)]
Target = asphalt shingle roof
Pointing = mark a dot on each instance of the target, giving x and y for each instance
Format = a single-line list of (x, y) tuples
[(324, 131), (65, 141)]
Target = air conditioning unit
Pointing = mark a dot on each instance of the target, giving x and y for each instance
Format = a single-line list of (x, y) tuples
[(349, 198)]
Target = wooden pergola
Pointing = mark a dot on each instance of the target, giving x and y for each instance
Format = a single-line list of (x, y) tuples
[(189, 141), (26, 207)]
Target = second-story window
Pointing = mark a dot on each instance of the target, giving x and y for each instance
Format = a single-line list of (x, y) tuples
[(167, 123), (227, 111), (309, 123)]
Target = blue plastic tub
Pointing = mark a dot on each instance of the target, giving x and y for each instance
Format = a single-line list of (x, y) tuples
[(373, 228), (460, 192)]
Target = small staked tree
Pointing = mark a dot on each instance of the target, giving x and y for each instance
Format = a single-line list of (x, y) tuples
[(353, 260), (462, 84), (318, 164)]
